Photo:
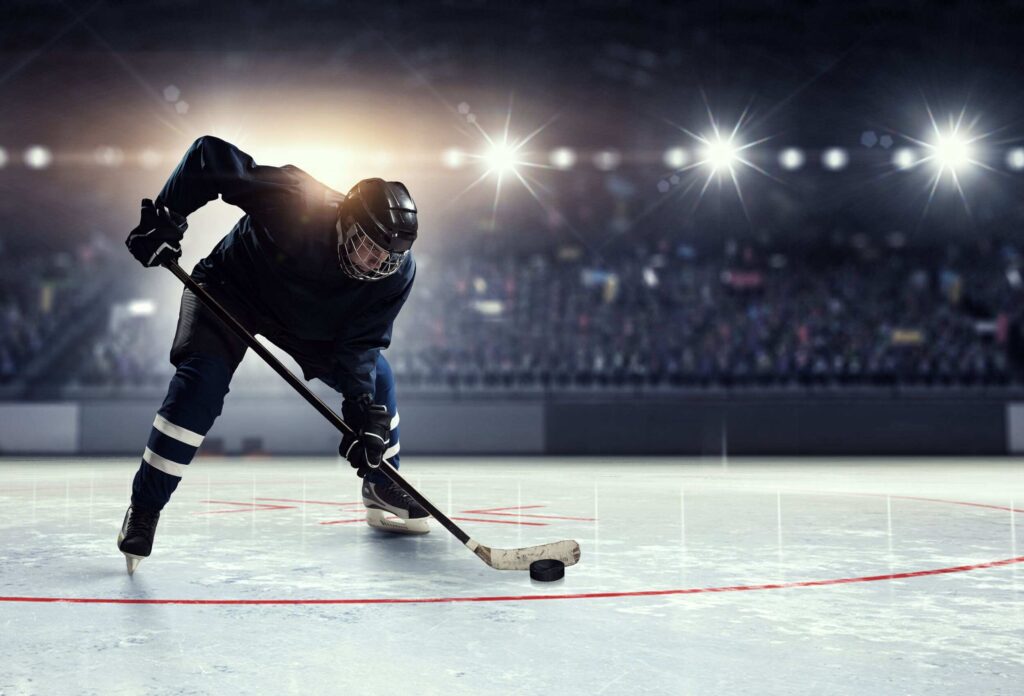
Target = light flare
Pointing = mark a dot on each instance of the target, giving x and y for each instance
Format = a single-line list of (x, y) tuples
[(951, 150), (723, 154)]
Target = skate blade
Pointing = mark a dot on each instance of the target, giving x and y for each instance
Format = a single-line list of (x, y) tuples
[(132, 562), (379, 519)]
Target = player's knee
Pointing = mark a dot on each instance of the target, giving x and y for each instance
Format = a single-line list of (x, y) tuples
[(384, 373), (384, 383), (197, 390)]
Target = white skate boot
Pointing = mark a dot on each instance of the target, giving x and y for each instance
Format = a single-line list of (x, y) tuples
[(389, 509)]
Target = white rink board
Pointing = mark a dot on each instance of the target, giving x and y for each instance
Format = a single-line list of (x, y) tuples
[(1015, 428), (44, 428)]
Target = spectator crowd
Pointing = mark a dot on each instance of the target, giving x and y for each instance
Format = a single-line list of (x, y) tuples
[(40, 293), (668, 317)]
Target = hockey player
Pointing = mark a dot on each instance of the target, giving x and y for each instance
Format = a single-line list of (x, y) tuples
[(320, 274)]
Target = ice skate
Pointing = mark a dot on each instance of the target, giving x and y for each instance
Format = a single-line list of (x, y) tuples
[(390, 509), (135, 540)]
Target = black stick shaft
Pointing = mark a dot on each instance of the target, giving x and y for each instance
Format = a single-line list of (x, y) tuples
[(315, 401)]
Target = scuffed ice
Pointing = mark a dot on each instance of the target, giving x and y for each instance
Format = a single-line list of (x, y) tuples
[(643, 525)]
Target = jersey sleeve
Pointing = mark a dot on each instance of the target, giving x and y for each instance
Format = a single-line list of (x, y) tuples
[(275, 197), (356, 350)]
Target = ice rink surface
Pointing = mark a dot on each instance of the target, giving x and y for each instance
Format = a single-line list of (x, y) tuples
[(697, 576)]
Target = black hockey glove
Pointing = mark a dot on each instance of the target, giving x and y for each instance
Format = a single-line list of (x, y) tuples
[(158, 237), (364, 449)]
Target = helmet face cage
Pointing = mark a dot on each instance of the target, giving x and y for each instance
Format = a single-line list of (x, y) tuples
[(355, 245)]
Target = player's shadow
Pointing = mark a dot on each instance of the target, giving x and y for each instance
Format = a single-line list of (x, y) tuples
[(388, 551), (109, 578)]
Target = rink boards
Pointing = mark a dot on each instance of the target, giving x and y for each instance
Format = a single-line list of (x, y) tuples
[(567, 425)]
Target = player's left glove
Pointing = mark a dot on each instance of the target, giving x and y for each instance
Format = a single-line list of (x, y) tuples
[(157, 238), (364, 447)]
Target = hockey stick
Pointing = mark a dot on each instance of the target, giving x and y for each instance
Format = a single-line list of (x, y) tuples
[(566, 551)]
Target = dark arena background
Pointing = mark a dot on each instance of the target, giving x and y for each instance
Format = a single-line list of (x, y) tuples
[(731, 293)]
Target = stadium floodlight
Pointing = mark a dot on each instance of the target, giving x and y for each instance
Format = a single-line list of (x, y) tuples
[(952, 146), (904, 158), (38, 157), (835, 158), (107, 156), (563, 158), (607, 160), (951, 151), (3, 157), (719, 154), (504, 157), (150, 158), (675, 158), (791, 158), (453, 158), (1015, 159), (501, 157), (722, 153), (141, 308)]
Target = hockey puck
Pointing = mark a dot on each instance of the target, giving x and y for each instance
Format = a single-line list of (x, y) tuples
[(547, 570)]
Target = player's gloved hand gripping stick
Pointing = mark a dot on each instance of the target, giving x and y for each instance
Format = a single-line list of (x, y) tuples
[(157, 238), (365, 450), (566, 551)]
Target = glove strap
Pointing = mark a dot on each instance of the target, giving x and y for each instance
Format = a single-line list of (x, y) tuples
[(160, 249)]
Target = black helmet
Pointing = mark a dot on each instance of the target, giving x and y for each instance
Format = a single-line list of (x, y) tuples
[(376, 228)]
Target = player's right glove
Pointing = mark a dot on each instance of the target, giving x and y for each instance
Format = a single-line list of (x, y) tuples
[(364, 448), (158, 237)]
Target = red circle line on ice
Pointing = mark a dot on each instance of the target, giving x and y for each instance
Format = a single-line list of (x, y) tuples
[(585, 595)]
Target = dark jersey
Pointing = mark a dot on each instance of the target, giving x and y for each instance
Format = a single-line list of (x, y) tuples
[(280, 261)]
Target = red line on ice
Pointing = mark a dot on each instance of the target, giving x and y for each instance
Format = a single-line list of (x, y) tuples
[(514, 507), (938, 500), (585, 595), (475, 519), (308, 502), (494, 511), (517, 598), (541, 517), (460, 519), (245, 507)]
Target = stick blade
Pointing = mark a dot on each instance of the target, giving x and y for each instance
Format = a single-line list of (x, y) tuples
[(567, 551)]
